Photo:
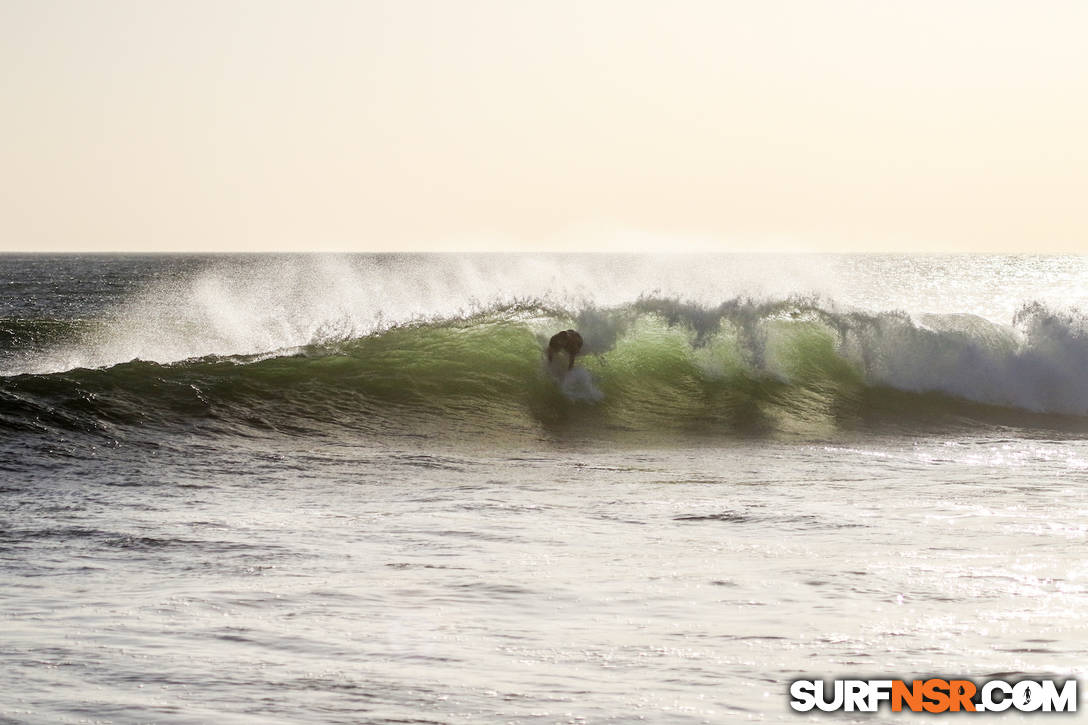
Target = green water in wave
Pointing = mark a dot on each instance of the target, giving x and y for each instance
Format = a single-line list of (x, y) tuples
[(484, 377)]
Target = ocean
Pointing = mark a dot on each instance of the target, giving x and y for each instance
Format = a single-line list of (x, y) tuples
[(346, 489)]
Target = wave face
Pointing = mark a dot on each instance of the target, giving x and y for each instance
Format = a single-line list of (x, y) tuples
[(652, 367)]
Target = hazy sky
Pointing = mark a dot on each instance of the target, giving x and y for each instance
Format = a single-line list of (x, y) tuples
[(818, 125)]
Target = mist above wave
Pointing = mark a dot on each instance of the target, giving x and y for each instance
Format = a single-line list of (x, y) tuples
[(264, 304), (766, 309), (247, 306)]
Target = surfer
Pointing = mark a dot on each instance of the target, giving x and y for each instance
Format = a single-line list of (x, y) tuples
[(568, 341)]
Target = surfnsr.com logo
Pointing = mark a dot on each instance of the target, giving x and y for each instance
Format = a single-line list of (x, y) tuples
[(934, 695)]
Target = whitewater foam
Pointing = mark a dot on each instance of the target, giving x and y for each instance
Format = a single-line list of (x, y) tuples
[(578, 385)]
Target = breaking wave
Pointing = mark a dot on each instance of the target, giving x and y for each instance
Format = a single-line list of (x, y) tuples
[(652, 367)]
